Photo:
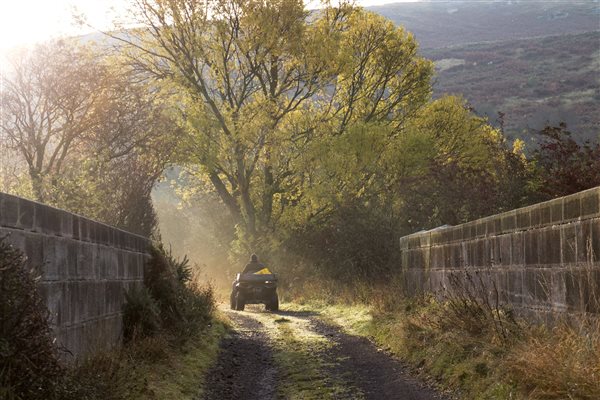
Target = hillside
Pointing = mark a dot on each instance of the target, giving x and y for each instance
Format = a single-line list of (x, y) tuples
[(450, 23), (532, 81), (537, 62)]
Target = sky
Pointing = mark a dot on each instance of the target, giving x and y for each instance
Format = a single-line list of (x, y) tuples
[(30, 21)]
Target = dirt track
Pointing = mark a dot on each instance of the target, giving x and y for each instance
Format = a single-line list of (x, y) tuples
[(295, 355)]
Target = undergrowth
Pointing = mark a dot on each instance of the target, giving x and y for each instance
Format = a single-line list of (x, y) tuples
[(169, 327), (29, 366)]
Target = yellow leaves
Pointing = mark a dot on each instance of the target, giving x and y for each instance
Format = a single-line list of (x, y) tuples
[(519, 149)]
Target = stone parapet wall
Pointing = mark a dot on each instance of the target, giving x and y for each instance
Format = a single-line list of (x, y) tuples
[(85, 269), (543, 259)]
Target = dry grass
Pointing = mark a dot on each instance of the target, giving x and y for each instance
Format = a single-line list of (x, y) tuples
[(561, 363), (474, 347)]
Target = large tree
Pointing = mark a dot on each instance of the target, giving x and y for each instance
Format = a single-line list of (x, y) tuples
[(46, 105), (93, 137), (260, 80)]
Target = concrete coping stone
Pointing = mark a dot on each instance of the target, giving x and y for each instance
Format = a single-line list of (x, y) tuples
[(28, 215), (578, 206)]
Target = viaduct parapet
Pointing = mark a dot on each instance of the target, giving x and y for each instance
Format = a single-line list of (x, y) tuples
[(543, 259), (85, 268)]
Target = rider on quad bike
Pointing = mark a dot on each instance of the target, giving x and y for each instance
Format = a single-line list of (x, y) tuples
[(253, 266), (255, 285)]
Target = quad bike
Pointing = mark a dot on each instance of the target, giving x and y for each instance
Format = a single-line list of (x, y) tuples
[(255, 288)]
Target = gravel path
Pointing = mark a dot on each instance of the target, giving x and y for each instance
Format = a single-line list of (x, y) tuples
[(377, 374), (245, 369)]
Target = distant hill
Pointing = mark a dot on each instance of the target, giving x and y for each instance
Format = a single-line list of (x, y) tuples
[(450, 23), (532, 81), (535, 61)]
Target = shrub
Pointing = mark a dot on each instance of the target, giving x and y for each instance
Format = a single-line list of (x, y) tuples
[(29, 365), (141, 315), (171, 299)]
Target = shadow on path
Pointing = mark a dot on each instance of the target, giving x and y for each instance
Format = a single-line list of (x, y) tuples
[(245, 368)]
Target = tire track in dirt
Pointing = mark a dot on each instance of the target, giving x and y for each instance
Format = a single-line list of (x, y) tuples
[(245, 367), (377, 374)]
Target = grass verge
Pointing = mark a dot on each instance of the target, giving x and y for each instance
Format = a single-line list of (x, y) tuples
[(298, 352), (531, 363), (157, 367)]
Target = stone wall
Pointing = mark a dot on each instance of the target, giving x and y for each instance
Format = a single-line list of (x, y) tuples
[(85, 269), (543, 259)]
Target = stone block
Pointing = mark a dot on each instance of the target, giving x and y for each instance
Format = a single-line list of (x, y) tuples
[(480, 228), (85, 262), (456, 260), (435, 238), (424, 241), (15, 238), (494, 250), (72, 257), (49, 264), (487, 253), (101, 262), (508, 221), (446, 237), (414, 242), (490, 226), (75, 229), (505, 250), (9, 211), (531, 239), (93, 232), (66, 224), (403, 241), (571, 208), (543, 285), (594, 257), (568, 244), (558, 290), (437, 257), (53, 297), (523, 218), (47, 220), (550, 246), (457, 233), (103, 234), (535, 216), (529, 284), (590, 203), (585, 242), (556, 210), (573, 291), (501, 282), (591, 283), (64, 310), (26, 215), (545, 210), (403, 262), (61, 257), (113, 264), (469, 231), (515, 279), (34, 251), (518, 249), (84, 229)]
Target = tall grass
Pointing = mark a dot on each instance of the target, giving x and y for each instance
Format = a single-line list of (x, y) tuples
[(558, 363), (472, 343)]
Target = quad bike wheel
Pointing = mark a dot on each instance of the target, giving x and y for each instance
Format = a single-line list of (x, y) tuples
[(273, 305), (232, 301), (239, 302)]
